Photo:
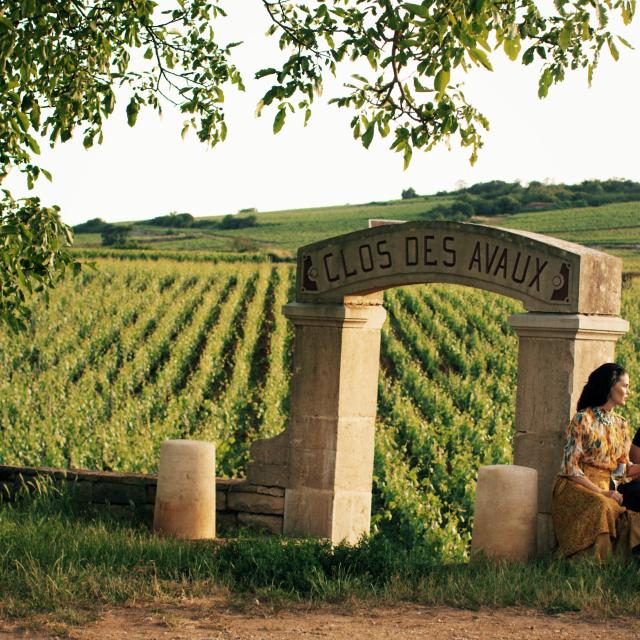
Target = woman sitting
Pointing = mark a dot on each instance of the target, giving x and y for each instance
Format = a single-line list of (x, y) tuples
[(588, 515)]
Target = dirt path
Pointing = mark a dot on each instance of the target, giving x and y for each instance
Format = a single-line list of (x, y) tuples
[(218, 620)]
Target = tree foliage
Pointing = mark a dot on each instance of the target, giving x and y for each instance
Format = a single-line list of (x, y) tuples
[(415, 53), (32, 255), (63, 63)]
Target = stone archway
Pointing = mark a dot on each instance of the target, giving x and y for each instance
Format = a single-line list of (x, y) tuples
[(325, 457)]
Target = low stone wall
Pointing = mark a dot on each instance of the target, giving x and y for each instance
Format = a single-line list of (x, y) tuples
[(131, 496)]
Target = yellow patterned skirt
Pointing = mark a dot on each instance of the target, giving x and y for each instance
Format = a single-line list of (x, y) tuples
[(585, 521)]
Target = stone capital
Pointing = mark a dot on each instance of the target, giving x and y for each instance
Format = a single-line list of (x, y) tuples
[(335, 315), (568, 326)]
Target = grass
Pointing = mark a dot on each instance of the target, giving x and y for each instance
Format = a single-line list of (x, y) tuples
[(52, 560)]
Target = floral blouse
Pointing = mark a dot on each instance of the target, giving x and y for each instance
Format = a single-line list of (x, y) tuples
[(589, 440)]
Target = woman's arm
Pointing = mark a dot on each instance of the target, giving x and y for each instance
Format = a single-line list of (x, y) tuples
[(587, 484)]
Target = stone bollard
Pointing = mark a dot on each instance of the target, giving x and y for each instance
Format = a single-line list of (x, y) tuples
[(506, 508), (186, 493)]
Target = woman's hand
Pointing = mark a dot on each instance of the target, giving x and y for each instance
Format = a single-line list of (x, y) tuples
[(614, 495)]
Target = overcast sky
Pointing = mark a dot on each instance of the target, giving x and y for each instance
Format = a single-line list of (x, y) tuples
[(575, 134)]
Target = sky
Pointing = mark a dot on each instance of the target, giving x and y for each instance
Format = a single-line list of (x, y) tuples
[(576, 133)]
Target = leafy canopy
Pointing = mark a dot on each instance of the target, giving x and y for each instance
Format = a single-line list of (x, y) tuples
[(413, 51), (62, 62)]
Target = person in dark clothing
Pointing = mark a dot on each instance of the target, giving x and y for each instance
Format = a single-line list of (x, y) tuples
[(631, 490)]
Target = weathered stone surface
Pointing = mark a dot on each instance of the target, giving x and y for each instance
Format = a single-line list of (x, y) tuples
[(546, 537), (226, 522), (224, 484), (543, 452), (185, 504), (144, 514), (122, 512), (505, 514), (82, 490), (275, 476), (271, 450), (7, 474), (333, 408), (259, 522), (150, 493), (547, 274), (309, 512), (115, 493), (255, 503), (221, 500), (246, 487)]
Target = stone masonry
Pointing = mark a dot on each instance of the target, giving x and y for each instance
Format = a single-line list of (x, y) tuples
[(131, 496)]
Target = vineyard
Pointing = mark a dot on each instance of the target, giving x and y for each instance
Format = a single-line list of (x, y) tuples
[(135, 352)]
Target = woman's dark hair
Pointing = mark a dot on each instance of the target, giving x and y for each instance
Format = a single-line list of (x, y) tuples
[(596, 392)]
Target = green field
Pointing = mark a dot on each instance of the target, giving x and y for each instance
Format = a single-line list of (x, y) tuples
[(613, 227), (139, 351)]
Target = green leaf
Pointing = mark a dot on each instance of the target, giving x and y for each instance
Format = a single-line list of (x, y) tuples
[(33, 145), (613, 49), (564, 37), (416, 9), (482, 58), (278, 122), (23, 120), (544, 83), (626, 43), (367, 136), (132, 112), (441, 81), (264, 72), (512, 47), (408, 152), (148, 54), (417, 85)]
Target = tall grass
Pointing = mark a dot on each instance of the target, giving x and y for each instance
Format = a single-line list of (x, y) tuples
[(51, 559)]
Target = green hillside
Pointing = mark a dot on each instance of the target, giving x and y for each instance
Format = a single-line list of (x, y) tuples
[(612, 227)]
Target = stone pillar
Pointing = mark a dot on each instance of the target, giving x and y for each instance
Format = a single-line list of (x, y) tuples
[(333, 409), (556, 354)]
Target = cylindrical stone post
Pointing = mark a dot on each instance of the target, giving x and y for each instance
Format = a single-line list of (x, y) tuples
[(556, 354), (186, 493), (505, 515), (333, 411)]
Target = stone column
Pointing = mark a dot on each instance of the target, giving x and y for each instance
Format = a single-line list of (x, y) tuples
[(556, 354), (333, 410)]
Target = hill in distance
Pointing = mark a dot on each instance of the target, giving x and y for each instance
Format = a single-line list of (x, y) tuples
[(604, 215)]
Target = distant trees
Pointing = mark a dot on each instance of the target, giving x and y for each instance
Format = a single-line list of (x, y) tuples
[(115, 235), (499, 198), (173, 220), (409, 193), (238, 222), (95, 225)]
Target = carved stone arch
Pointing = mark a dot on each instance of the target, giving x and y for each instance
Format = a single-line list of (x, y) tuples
[(325, 457)]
